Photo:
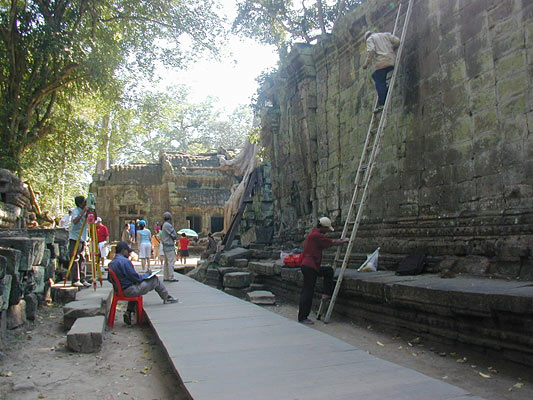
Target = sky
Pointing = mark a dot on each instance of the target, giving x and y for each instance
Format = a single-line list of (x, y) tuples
[(232, 79)]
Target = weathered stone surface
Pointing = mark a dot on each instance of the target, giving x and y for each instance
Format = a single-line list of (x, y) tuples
[(200, 272), (13, 257), (3, 266), (39, 279), (237, 279), (264, 267), (5, 291), (31, 306), (213, 277), (454, 182), (227, 257), (81, 309), (26, 247), (224, 270), (16, 315), (192, 187), (17, 290), (86, 335), (240, 263), (240, 293), (261, 297), (63, 294)]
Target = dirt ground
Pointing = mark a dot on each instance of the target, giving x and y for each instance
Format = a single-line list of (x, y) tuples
[(34, 363)]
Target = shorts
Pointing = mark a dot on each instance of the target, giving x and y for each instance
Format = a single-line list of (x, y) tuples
[(145, 250), (184, 253), (104, 249)]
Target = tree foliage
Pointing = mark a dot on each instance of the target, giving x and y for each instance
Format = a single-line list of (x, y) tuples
[(282, 22), (168, 121), (48, 45)]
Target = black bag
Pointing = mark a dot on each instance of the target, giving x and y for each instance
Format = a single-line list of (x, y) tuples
[(411, 265)]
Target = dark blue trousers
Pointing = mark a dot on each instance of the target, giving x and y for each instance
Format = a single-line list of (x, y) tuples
[(380, 77)]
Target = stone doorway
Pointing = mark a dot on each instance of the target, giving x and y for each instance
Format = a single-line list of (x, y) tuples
[(217, 224)]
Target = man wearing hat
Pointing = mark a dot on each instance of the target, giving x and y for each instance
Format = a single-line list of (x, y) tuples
[(134, 284), (381, 46), (102, 234), (315, 242)]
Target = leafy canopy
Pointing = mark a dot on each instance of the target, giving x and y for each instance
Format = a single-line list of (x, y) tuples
[(49, 45)]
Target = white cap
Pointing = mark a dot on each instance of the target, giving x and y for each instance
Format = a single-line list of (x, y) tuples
[(326, 222), (368, 33), (98, 219)]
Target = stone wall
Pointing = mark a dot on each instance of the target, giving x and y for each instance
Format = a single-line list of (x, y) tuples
[(453, 175)]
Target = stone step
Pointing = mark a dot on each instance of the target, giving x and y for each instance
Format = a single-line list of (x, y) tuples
[(87, 334), (227, 257), (237, 279), (265, 267), (89, 307), (63, 293), (261, 297)]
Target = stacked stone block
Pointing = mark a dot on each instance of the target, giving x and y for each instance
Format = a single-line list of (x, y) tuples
[(28, 259)]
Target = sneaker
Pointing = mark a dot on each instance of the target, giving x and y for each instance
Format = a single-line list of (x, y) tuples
[(170, 299), (306, 321), (127, 317), (378, 109), (86, 284), (77, 284)]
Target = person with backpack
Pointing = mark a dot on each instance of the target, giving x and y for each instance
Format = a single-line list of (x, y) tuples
[(311, 269)]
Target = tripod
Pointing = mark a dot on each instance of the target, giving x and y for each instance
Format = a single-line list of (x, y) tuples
[(90, 218)]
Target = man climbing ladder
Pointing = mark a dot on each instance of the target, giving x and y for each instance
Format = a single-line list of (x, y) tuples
[(368, 157), (381, 46)]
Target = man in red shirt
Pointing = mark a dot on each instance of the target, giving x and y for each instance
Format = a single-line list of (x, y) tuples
[(183, 248), (315, 242), (102, 234)]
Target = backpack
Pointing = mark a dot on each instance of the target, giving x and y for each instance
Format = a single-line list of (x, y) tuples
[(411, 265)]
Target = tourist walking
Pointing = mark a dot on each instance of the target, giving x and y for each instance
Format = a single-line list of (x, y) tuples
[(311, 269), (77, 273), (134, 284), (168, 239), (103, 237), (145, 245), (125, 237), (183, 248), (156, 244), (132, 231), (381, 46)]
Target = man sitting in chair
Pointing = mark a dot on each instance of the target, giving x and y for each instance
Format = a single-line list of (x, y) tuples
[(134, 284)]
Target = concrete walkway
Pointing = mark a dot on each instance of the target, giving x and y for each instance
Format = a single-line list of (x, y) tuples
[(226, 348)]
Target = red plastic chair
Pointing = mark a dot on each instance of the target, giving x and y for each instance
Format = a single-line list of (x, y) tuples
[(118, 295)]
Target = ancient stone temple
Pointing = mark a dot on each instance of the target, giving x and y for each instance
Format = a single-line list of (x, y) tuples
[(192, 187), (453, 178)]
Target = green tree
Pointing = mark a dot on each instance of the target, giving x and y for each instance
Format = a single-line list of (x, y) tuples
[(281, 22), (49, 45), (168, 121)]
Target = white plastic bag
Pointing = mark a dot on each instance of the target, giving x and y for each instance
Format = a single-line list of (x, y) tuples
[(371, 263)]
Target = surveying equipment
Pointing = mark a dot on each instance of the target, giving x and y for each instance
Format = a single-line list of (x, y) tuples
[(367, 163), (90, 218)]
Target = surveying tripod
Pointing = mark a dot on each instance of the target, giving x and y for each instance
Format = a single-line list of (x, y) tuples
[(367, 163), (89, 219)]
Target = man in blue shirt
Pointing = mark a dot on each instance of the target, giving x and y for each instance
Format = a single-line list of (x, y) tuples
[(77, 274), (134, 284)]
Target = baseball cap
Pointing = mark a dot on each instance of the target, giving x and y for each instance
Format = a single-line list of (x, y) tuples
[(326, 222), (122, 246), (98, 219), (142, 222)]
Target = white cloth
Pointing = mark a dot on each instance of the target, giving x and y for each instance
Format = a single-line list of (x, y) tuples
[(65, 221), (383, 46), (145, 250), (104, 249)]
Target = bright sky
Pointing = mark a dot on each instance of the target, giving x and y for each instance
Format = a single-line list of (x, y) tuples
[(232, 79)]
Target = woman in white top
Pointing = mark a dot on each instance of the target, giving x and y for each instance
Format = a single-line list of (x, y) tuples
[(145, 244)]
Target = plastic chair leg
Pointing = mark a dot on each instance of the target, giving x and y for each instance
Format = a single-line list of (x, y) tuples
[(112, 311), (140, 311)]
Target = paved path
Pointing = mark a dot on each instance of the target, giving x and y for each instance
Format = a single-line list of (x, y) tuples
[(226, 348)]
